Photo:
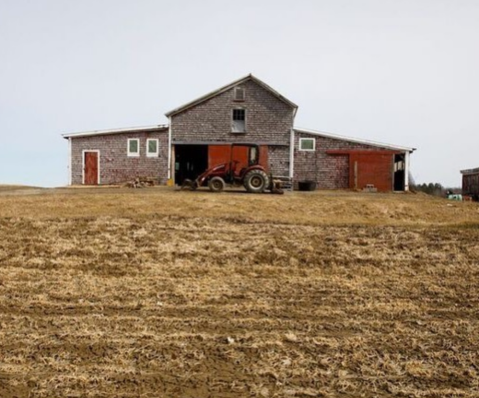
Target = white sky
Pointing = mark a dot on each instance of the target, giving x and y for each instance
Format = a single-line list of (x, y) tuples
[(401, 72)]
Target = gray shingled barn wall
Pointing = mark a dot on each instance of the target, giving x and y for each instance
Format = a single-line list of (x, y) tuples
[(115, 166), (328, 171), (268, 120)]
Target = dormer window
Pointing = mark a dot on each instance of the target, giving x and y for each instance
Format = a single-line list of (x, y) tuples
[(239, 94), (239, 121)]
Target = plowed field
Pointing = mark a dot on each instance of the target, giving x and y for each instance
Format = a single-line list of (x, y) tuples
[(157, 293)]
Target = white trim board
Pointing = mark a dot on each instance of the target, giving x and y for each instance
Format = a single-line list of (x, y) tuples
[(70, 176), (169, 150), (291, 154)]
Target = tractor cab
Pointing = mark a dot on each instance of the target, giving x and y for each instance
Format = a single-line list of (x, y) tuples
[(243, 156)]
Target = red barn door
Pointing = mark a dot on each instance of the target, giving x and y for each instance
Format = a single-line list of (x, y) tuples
[(91, 168), (218, 154)]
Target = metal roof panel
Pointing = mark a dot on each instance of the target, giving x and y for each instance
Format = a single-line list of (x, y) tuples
[(116, 131), (351, 139)]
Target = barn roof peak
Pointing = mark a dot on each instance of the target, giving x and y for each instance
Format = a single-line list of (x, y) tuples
[(228, 87)]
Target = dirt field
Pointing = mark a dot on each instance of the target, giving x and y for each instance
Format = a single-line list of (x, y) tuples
[(157, 293)]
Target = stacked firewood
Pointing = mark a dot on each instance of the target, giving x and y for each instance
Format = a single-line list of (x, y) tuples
[(142, 182)]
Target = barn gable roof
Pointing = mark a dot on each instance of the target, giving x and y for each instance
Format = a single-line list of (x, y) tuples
[(470, 171), (357, 140), (126, 130), (228, 87)]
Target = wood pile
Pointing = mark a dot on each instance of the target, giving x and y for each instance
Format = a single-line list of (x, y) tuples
[(142, 182)]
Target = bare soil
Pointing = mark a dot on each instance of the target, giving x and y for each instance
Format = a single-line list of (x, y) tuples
[(159, 293)]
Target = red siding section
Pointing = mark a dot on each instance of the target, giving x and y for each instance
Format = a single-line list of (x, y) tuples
[(264, 157), (218, 154), (371, 168)]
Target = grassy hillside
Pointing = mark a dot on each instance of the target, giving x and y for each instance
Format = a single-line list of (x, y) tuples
[(306, 208), (157, 293), (8, 188)]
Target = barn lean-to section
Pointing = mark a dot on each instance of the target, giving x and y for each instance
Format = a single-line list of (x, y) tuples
[(337, 162)]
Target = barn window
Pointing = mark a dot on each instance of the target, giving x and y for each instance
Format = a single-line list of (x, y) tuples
[(239, 94), (133, 147), (307, 144), (152, 147), (239, 121)]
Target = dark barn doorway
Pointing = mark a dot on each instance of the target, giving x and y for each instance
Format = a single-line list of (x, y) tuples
[(399, 172), (190, 161)]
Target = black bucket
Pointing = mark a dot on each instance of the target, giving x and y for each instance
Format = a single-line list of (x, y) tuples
[(307, 185)]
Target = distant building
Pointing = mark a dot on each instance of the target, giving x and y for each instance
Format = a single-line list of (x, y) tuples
[(246, 110), (470, 183)]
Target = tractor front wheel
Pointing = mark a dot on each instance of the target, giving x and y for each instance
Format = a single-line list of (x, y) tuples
[(256, 181), (216, 184)]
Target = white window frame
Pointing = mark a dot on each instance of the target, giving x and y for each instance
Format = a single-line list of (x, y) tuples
[(307, 139), (245, 120), (133, 154), (152, 154)]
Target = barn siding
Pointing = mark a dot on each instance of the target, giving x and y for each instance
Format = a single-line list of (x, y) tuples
[(115, 166), (268, 119), (470, 183)]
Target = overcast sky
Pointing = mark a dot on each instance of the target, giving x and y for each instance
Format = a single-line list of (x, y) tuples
[(401, 72)]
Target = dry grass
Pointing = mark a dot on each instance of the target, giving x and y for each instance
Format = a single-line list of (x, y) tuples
[(156, 293), (306, 208), (9, 188)]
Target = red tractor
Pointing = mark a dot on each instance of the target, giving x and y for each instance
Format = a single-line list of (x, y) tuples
[(253, 176)]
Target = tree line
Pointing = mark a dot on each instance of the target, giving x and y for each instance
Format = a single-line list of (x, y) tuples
[(432, 188)]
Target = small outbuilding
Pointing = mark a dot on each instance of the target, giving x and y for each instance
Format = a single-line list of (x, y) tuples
[(246, 110), (470, 183)]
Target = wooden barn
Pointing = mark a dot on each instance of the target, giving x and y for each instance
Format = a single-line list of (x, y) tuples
[(470, 183), (246, 110)]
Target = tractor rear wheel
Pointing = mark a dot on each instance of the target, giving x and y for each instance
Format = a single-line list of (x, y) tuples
[(256, 181), (216, 184)]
